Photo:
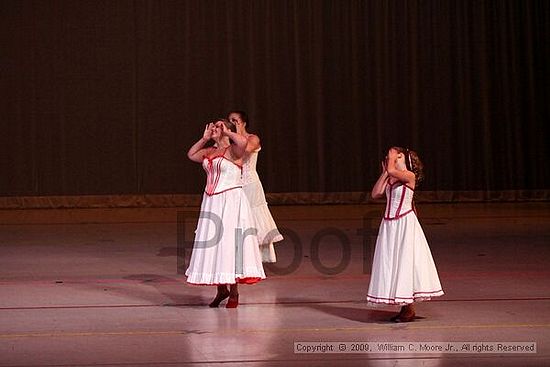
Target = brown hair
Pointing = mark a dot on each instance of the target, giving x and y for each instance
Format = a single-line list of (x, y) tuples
[(243, 115), (231, 126), (413, 163)]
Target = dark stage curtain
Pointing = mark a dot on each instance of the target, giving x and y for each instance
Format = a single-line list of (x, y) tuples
[(105, 97)]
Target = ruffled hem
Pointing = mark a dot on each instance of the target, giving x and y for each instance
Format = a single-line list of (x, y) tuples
[(268, 253), (417, 297), (219, 279)]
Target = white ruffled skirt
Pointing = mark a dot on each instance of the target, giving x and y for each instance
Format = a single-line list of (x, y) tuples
[(223, 251)]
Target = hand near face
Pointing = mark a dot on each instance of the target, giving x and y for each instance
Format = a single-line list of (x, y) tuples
[(224, 130), (394, 156), (236, 120), (208, 131), (384, 164)]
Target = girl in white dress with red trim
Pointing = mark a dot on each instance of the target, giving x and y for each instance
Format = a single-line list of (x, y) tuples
[(267, 231), (224, 251), (403, 270)]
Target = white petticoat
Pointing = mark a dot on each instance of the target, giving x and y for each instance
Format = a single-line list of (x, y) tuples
[(267, 231), (403, 270)]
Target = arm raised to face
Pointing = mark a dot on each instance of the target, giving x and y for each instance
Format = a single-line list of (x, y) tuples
[(238, 149), (397, 168), (197, 151)]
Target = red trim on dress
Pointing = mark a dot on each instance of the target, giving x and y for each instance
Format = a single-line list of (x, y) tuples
[(395, 300), (222, 156), (388, 204), (400, 201), (398, 215), (401, 215), (208, 170), (218, 174), (214, 174), (399, 182), (250, 281), (221, 192)]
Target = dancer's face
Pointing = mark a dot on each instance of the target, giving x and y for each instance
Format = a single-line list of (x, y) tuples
[(217, 130), (236, 119), (398, 157)]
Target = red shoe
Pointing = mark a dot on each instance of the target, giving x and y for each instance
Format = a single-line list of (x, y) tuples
[(219, 298), (233, 302)]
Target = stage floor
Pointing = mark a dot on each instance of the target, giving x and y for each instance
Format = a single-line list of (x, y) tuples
[(97, 287)]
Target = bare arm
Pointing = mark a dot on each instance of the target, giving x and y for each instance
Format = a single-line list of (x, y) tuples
[(238, 149), (196, 152), (253, 143), (407, 177), (379, 187)]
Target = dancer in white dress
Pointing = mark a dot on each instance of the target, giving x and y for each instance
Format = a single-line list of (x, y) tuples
[(224, 252), (265, 225), (403, 270)]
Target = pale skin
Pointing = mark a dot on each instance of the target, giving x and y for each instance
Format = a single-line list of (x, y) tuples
[(221, 135), (253, 141), (395, 170)]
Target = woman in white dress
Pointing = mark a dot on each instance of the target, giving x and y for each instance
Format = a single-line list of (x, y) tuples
[(224, 252), (403, 270), (267, 231)]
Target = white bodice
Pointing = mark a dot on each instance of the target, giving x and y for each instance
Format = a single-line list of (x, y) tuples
[(399, 200), (221, 175), (249, 168)]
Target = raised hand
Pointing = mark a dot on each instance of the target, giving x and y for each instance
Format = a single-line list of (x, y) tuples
[(224, 130), (208, 131)]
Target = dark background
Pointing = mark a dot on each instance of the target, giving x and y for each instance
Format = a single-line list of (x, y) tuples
[(105, 97)]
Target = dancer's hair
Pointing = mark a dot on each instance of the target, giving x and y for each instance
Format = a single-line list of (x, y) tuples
[(231, 126), (243, 116), (413, 163)]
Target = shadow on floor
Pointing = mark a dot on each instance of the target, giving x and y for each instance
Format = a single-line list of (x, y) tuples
[(356, 314)]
